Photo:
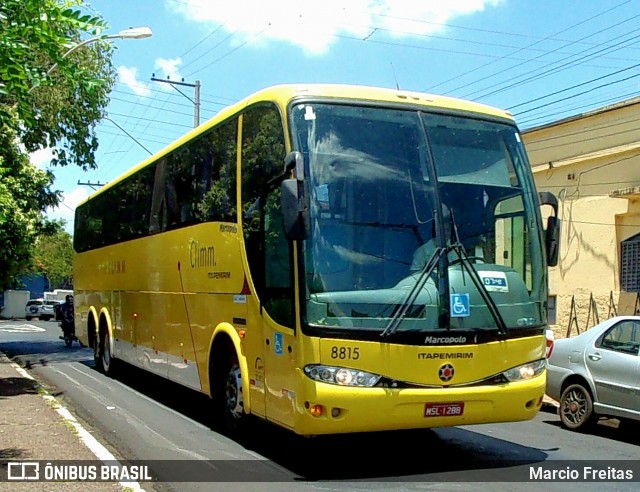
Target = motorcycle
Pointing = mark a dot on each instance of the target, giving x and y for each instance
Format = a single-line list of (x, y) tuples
[(64, 314), (68, 335)]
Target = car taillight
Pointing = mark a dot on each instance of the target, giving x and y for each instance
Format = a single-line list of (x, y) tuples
[(550, 339)]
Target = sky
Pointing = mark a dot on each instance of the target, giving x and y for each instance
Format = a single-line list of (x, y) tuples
[(541, 60)]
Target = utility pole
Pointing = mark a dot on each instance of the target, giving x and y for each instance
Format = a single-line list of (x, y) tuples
[(196, 87), (92, 185)]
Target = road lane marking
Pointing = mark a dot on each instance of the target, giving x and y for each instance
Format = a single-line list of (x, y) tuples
[(83, 370), (22, 328), (135, 392), (87, 439)]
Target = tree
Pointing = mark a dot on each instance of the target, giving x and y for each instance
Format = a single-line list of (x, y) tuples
[(39, 109), (52, 256), (24, 193), (60, 109)]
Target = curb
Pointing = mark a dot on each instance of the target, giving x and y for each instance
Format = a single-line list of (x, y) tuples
[(86, 438)]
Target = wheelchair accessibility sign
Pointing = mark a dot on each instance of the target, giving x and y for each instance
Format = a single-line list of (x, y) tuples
[(278, 344), (460, 307)]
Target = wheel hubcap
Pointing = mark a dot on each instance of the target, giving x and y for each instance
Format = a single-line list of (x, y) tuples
[(233, 393), (575, 407)]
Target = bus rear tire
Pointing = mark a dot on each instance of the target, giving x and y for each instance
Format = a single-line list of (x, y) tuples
[(102, 354)]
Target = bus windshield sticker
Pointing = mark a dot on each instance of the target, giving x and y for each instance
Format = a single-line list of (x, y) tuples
[(308, 113), (495, 281), (278, 344), (460, 307), (322, 195)]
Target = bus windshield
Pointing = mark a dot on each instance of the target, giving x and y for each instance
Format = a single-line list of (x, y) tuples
[(390, 187)]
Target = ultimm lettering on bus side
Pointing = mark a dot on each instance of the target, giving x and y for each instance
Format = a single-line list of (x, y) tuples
[(201, 256)]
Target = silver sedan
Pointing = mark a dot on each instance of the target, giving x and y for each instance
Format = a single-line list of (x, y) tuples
[(597, 374)]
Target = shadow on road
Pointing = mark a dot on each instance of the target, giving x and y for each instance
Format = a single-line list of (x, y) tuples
[(606, 428), (439, 454), (380, 456), (41, 353)]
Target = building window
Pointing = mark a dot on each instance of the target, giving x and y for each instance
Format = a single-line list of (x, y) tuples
[(630, 264)]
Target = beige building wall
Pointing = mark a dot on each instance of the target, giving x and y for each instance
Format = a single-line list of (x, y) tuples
[(591, 163)]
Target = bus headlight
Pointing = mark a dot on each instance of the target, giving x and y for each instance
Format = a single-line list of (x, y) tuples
[(525, 371), (341, 375)]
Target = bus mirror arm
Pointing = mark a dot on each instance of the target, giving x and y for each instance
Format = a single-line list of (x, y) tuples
[(293, 160), (552, 231), (294, 200)]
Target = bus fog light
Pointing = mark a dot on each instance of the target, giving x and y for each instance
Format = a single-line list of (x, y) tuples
[(316, 410), (341, 375)]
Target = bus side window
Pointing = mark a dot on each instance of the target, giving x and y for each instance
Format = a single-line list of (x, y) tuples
[(158, 220), (215, 195), (268, 252)]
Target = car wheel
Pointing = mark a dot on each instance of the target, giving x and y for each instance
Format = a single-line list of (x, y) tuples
[(576, 408), (28, 318)]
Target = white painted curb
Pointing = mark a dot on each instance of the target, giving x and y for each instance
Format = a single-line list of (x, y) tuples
[(87, 439)]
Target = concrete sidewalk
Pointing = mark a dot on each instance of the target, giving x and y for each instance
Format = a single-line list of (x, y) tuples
[(34, 426)]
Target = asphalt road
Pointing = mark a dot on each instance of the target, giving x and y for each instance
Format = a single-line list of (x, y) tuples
[(143, 417)]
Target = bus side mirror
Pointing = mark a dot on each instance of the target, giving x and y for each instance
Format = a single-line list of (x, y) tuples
[(294, 201), (552, 231)]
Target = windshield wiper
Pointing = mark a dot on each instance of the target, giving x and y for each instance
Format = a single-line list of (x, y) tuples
[(466, 264), (401, 312)]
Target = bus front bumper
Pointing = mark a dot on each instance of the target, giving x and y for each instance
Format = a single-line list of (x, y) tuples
[(323, 408)]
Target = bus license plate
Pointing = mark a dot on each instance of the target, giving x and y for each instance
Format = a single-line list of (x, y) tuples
[(452, 409)]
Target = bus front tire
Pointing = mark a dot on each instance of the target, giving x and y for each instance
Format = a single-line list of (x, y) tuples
[(228, 400)]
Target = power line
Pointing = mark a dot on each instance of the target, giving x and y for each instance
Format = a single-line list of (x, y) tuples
[(581, 93), (129, 135), (547, 38), (241, 45), (572, 109), (554, 70)]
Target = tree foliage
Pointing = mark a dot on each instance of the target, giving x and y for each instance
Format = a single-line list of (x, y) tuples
[(53, 257), (51, 95), (24, 193), (60, 109)]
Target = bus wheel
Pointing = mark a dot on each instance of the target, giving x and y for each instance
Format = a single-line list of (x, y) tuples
[(105, 361), (233, 400), (95, 344)]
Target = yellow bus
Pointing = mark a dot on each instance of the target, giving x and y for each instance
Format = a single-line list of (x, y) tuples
[(331, 259)]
